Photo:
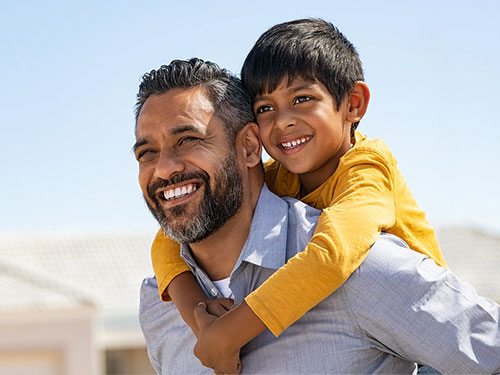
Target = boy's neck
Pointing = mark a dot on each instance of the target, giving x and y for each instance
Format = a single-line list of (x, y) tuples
[(312, 180)]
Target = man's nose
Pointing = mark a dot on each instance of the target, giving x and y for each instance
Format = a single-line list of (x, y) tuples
[(168, 165)]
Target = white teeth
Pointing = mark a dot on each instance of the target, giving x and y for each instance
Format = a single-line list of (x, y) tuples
[(295, 143), (179, 192)]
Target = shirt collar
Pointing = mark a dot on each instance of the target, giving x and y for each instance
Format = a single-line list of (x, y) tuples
[(266, 242)]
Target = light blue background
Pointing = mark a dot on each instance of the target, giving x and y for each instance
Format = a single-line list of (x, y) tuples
[(70, 71)]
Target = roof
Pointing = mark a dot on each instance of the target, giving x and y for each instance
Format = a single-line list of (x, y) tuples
[(105, 270), (22, 289)]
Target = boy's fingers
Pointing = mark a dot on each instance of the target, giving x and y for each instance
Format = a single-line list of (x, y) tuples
[(219, 306), (226, 302), (203, 318)]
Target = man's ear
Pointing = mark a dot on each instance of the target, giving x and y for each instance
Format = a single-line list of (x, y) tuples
[(252, 147), (358, 101)]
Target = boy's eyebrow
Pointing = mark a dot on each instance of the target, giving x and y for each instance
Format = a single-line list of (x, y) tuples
[(291, 89), (300, 87)]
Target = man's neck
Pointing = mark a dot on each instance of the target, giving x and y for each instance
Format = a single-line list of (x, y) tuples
[(218, 253)]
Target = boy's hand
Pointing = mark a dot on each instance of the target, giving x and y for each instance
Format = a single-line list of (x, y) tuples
[(218, 306), (212, 349)]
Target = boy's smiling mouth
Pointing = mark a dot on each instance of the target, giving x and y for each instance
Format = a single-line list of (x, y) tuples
[(290, 145)]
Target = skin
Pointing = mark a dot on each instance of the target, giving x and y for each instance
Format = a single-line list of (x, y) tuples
[(306, 113), (177, 132)]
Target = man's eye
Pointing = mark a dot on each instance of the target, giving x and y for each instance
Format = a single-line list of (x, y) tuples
[(145, 154), (302, 99), (264, 108), (186, 140)]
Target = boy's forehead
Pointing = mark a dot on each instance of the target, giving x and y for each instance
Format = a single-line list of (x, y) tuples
[(288, 83)]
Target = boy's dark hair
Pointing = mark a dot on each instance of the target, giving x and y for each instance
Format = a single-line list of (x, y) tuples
[(309, 48), (230, 100)]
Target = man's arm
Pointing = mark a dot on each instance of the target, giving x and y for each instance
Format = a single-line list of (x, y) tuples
[(416, 310), (169, 340)]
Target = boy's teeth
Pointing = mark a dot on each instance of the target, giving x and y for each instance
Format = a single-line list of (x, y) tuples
[(179, 192), (295, 143)]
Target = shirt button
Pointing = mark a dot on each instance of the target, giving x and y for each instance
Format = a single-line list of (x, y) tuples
[(214, 292)]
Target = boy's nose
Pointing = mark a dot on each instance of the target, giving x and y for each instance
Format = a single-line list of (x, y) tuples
[(168, 165), (284, 119)]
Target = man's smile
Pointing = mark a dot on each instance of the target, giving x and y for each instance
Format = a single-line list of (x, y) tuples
[(173, 195)]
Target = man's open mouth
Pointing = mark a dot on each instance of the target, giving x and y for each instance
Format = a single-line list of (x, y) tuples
[(178, 192)]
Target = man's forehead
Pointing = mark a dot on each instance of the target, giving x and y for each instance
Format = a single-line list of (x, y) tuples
[(177, 106)]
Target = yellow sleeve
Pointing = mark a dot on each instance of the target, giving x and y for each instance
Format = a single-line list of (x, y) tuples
[(167, 262), (361, 204)]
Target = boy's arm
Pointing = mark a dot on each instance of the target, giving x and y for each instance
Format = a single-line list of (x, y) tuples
[(177, 283), (361, 200), (363, 205), (167, 262), (220, 339)]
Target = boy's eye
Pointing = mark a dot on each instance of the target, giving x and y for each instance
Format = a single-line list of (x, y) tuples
[(264, 108), (302, 99)]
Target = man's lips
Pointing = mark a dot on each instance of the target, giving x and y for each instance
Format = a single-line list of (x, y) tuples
[(292, 144), (174, 193)]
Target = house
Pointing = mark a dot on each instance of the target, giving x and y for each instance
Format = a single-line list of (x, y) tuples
[(69, 303)]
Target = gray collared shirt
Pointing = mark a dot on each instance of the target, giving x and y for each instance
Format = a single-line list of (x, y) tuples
[(396, 309)]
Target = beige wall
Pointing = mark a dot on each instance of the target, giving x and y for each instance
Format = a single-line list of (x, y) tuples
[(128, 361), (52, 342)]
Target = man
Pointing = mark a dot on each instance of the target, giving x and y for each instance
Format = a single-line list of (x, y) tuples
[(195, 128)]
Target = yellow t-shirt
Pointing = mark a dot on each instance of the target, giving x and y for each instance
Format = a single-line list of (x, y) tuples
[(365, 195)]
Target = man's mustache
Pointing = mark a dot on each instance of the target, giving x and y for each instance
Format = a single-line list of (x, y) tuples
[(161, 183)]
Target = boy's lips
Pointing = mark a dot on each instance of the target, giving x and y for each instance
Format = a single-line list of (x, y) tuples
[(294, 144)]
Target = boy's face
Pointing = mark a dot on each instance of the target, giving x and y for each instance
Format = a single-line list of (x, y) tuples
[(302, 129)]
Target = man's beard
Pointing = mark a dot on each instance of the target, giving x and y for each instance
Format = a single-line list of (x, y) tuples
[(215, 209)]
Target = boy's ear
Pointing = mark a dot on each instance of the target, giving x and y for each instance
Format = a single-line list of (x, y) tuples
[(358, 101), (252, 147)]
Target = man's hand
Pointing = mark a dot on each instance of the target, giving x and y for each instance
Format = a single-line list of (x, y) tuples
[(213, 349)]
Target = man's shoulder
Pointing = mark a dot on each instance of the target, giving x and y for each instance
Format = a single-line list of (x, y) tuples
[(389, 255), (391, 272)]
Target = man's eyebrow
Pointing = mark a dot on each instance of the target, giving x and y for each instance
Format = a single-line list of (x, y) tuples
[(139, 143), (184, 128)]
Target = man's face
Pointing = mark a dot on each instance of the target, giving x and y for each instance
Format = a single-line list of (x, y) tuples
[(188, 174)]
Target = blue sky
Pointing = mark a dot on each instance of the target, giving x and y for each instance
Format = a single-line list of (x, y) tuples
[(70, 72)]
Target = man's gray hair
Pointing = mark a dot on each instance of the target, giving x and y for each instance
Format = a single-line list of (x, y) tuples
[(231, 102)]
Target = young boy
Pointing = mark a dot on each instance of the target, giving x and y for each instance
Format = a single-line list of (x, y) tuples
[(306, 82)]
